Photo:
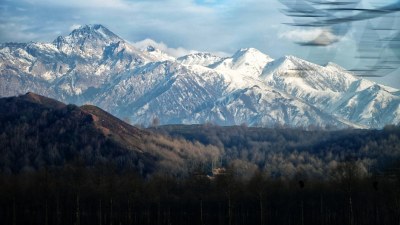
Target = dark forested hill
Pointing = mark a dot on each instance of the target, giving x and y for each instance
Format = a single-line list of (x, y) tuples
[(37, 132)]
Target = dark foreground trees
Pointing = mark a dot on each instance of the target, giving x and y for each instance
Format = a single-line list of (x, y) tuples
[(104, 196)]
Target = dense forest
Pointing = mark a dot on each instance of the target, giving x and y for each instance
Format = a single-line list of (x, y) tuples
[(64, 164), (288, 153), (76, 194)]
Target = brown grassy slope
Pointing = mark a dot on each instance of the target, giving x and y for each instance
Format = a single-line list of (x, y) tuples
[(36, 131), (116, 129)]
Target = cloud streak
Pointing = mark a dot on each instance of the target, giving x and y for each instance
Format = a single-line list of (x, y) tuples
[(316, 36)]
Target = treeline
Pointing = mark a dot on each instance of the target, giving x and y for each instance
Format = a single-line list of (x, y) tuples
[(103, 195), (290, 152)]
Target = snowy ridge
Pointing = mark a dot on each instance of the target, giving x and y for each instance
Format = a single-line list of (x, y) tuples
[(202, 59), (245, 62), (335, 91), (157, 54), (93, 65)]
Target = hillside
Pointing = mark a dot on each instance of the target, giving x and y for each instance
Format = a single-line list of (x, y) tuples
[(38, 132)]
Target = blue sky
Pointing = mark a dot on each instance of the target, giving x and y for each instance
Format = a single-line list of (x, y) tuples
[(219, 26)]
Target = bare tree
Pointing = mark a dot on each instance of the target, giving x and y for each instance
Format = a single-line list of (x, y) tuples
[(347, 174), (155, 122)]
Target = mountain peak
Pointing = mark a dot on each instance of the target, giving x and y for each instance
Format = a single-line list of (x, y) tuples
[(41, 100), (92, 32), (97, 30), (247, 51), (250, 56)]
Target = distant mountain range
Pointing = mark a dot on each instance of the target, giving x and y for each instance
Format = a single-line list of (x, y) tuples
[(93, 65)]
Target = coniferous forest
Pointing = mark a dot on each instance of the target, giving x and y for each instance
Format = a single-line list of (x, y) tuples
[(63, 164)]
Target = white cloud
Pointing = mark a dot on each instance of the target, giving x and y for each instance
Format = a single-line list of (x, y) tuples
[(175, 52), (111, 4), (318, 36)]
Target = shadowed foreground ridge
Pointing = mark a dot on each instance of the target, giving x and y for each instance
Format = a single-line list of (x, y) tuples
[(38, 132)]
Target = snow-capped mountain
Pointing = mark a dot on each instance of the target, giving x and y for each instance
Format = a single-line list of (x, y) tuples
[(93, 65), (335, 91), (245, 62), (70, 66)]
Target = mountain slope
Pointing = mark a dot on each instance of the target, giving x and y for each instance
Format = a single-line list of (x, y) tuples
[(93, 65), (334, 91), (37, 132)]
